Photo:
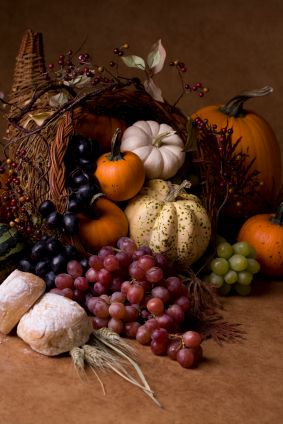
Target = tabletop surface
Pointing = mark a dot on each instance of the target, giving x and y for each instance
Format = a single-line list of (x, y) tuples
[(236, 383)]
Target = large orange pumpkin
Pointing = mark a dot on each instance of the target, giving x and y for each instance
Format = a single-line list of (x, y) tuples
[(105, 228), (120, 175), (265, 233), (257, 137)]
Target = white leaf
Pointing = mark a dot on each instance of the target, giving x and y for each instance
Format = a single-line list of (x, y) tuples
[(2, 104), (153, 59), (38, 118), (58, 99), (133, 61), (156, 57), (152, 89)]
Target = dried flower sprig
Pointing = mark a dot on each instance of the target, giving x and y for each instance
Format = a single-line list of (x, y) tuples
[(153, 65), (228, 180), (215, 327), (206, 312), (187, 87)]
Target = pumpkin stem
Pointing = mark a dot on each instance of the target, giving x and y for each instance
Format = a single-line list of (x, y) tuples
[(95, 197), (235, 106), (93, 213), (176, 189), (278, 217), (157, 141), (116, 145)]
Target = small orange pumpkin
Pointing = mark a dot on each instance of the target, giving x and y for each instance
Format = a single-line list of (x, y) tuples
[(265, 233), (257, 137), (105, 228), (120, 175)]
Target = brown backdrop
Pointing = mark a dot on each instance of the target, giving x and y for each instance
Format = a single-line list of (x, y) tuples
[(229, 45)]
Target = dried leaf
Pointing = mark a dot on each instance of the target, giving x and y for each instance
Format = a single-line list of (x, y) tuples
[(133, 61), (39, 118), (156, 57), (79, 82), (58, 99), (152, 89)]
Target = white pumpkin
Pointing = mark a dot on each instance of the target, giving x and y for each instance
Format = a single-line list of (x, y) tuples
[(170, 221), (157, 145)]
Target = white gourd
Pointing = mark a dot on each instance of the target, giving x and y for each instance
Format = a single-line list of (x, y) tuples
[(170, 221), (157, 145)]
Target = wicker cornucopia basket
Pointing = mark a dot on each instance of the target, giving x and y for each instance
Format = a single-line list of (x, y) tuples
[(95, 114)]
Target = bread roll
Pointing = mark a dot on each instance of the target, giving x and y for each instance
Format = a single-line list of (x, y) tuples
[(18, 293), (54, 325)]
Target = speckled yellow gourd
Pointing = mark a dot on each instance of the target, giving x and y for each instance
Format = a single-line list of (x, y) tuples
[(170, 221)]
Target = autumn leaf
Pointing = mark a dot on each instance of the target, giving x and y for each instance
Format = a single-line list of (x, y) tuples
[(39, 118), (58, 99), (79, 82)]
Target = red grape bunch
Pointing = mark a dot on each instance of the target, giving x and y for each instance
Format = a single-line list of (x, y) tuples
[(134, 292)]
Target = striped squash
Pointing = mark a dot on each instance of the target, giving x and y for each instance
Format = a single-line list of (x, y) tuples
[(11, 247)]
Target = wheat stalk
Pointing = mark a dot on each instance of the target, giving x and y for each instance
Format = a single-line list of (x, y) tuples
[(107, 350)]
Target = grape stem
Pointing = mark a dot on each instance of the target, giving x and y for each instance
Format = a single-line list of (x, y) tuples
[(179, 338)]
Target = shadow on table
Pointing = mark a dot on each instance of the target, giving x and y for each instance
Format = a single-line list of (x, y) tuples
[(266, 285)]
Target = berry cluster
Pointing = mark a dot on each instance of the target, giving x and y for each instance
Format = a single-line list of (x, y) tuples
[(119, 51), (16, 206), (72, 68), (197, 87)]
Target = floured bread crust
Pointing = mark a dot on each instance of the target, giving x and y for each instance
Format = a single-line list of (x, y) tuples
[(55, 325), (18, 293)]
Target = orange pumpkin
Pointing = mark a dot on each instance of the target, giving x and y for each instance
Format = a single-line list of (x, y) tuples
[(120, 175), (108, 225), (257, 137), (97, 127), (265, 233)]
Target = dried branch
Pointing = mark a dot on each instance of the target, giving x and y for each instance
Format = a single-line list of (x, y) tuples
[(215, 327), (203, 296), (206, 315)]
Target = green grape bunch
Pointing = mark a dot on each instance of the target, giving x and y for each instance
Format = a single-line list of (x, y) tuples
[(233, 268)]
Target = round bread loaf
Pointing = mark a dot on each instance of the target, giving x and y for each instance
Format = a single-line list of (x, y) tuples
[(55, 324), (18, 293)]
